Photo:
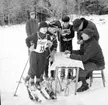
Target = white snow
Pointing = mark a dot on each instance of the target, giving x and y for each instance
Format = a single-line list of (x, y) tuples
[(14, 54)]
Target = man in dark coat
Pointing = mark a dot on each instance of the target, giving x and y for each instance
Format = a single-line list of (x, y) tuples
[(91, 55), (31, 24), (80, 24)]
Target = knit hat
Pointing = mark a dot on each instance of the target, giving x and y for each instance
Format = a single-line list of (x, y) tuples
[(55, 24), (32, 12), (76, 24), (65, 19), (89, 32), (42, 24)]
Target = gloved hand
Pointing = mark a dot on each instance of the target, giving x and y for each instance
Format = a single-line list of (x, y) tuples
[(49, 43), (80, 42), (31, 48), (67, 52), (66, 55), (52, 53), (51, 59)]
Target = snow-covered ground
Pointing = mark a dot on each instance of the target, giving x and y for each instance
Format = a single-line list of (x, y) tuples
[(14, 54)]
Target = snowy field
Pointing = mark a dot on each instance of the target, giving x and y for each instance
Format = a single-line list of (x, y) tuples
[(14, 54)]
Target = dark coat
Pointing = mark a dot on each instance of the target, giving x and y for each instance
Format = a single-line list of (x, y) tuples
[(31, 26), (33, 38), (89, 25), (53, 39), (91, 55), (68, 36), (66, 45)]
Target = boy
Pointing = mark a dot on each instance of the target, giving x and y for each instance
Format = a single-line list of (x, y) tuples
[(91, 55), (67, 34), (65, 39), (50, 51), (38, 48)]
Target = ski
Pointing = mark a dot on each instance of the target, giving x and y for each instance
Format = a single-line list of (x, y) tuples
[(40, 92), (34, 94), (49, 90)]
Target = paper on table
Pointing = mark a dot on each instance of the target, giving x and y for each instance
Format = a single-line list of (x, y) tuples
[(60, 60)]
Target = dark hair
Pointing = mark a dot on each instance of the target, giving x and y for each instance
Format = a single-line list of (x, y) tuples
[(65, 19)]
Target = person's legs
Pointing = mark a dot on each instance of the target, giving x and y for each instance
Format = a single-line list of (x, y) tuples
[(33, 68), (46, 68), (40, 68), (69, 48), (46, 62), (63, 48), (52, 72), (84, 85), (33, 64), (89, 67), (40, 65), (70, 74)]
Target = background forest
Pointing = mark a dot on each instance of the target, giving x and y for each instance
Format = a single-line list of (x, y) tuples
[(17, 11)]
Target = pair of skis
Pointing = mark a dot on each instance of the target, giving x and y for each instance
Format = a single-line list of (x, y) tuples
[(39, 94)]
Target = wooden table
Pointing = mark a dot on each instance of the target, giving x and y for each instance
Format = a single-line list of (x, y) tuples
[(61, 61)]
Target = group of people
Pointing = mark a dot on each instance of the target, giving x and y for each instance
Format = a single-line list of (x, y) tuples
[(42, 41)]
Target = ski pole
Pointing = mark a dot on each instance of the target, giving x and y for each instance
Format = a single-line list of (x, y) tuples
[(21, 77)]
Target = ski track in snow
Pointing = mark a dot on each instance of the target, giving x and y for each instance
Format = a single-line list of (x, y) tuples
[(14, 54)]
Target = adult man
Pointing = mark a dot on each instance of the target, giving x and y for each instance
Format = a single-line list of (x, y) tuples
[(91, 55), (80, 24), (31, 28), (32, 24)]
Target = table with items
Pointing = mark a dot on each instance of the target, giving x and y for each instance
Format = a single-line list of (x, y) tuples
[(61, 61)]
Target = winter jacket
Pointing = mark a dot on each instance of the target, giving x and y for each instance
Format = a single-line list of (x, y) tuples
[(53, 39), (90, 25), (31, 26), (91, 52), (33, 38), (68, 36)]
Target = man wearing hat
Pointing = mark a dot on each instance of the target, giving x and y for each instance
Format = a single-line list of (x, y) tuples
[(31, 28), (91, 55), (81, 24), (31, 24)]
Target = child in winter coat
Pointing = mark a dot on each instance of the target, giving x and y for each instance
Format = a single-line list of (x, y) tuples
[(37, 49), (52, 50)]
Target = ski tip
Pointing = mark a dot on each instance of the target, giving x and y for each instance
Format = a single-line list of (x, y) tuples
[(40, 101)]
